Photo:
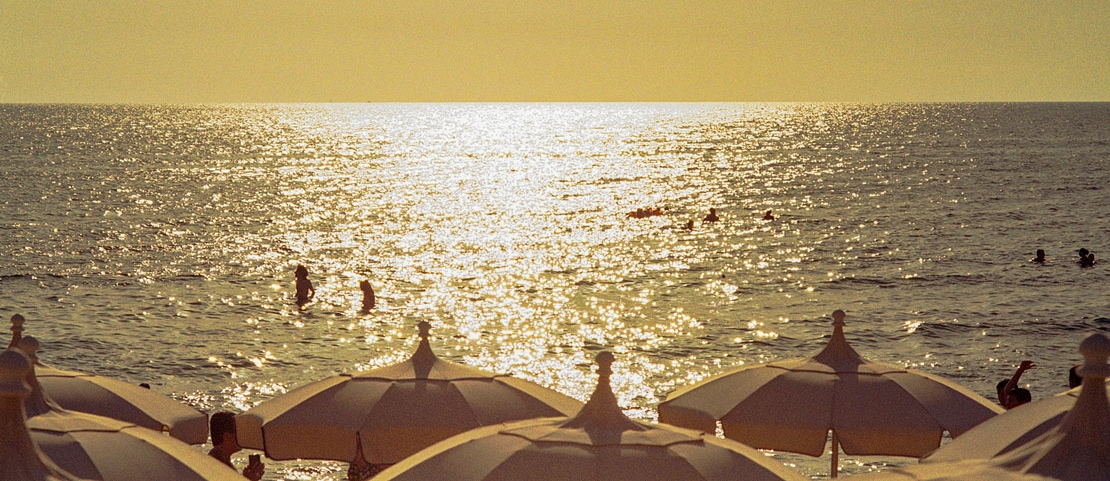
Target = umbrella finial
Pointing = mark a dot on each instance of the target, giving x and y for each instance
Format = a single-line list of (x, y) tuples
[(602, 413), (423, 359), (604, 361), (1095, 350), (838, 353), (17, 329)]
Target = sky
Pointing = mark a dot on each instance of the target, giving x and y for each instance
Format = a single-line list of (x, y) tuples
[(168, 51)]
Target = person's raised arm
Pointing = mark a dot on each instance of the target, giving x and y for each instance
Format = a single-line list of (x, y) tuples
[(1013, 383)]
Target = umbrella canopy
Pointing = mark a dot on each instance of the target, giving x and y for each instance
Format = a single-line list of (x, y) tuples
[(1014, 428), (99, 448), (598, 444), (392, 412), (870, 407), (117, 399), (1078, 449), (22, 460)]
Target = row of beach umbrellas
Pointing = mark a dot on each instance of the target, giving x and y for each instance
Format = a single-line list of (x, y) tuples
[(99, 448), (486, 426), (117, 399)]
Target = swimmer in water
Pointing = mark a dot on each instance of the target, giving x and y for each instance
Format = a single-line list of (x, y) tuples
[(305, 291), (1040, 257), (367, 295), (712, 216), (1088, 261)]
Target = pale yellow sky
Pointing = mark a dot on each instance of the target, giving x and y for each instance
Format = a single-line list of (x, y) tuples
[(556, 50)]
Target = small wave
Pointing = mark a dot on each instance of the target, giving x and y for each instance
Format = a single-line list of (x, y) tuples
[(941, 329), (861, 281), (37, 275), (12, 277)]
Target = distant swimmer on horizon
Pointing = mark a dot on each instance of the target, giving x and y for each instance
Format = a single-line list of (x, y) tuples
[(689, 225), (768, 216), (367, 294), (712, 216), (305, 291), (1040, 257)]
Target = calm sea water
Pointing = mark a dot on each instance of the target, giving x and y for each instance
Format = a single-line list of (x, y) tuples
[(157, 243)]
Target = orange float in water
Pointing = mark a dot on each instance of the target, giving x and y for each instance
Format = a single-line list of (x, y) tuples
[(642, 213)]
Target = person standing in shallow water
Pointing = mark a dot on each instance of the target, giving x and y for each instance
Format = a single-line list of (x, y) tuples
[(305, 291), (367, 294), (712, 216)]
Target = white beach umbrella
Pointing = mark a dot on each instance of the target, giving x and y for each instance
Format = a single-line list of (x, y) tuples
[(871, 408), (118, 400), (100, 448), (1011, 429), (600, 443), (20, 459), (392, 412), (123, 401), (1078, 449)]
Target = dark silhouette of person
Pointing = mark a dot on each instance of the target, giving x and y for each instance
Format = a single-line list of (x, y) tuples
[(1040, 256), (689, 225), (767, 215), (367, 294), (1020, 396), (1088, 260), (305, 291), (224, 444), (712, 216), (1074, 379), (1009, 395)]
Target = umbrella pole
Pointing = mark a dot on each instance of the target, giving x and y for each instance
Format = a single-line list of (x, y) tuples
[(835, 456)]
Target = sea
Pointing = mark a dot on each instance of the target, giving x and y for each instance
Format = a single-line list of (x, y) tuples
[(157, 243)]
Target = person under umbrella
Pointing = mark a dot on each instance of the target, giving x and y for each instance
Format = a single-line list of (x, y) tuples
[(224, 444)]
